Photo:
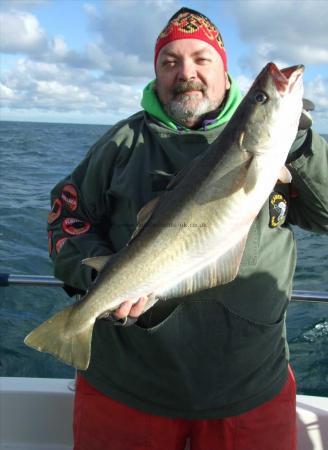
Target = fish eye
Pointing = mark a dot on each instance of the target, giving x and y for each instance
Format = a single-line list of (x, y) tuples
[(259, 97)]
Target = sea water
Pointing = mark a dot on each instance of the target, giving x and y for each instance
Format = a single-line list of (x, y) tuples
[(33, 158)]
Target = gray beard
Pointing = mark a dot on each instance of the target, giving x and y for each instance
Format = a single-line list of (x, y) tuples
[(180, 111)]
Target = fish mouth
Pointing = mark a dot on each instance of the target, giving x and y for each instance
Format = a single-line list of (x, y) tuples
[(286, 79)]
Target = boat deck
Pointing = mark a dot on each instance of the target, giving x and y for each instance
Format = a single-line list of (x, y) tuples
[(36, 414)]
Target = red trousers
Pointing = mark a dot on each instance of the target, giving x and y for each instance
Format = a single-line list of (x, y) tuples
[(101, 423)]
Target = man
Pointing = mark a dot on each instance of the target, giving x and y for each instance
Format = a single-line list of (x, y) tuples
[(211, 368)]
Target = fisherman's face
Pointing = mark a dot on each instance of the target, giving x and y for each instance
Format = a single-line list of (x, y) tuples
[(190, 81)]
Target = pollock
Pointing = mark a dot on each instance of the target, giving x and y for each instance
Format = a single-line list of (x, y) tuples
[(193, 237)]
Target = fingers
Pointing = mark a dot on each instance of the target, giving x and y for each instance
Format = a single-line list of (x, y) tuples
[(127, 308), (123, 310), (137, 308)]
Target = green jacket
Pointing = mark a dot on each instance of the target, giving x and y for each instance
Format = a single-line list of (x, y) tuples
[(215, 354)]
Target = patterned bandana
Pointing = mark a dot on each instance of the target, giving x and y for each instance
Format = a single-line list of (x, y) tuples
[(190, 24)]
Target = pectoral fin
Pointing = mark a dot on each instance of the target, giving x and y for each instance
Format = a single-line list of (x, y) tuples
[(146, 211), (143, 216), (225, 184)]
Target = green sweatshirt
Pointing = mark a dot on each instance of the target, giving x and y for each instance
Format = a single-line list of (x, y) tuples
[(215, 354)]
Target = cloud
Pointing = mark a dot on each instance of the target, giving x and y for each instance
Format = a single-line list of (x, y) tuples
[(289, 31), (6, 94), (317, 91), (123, 49), (127, 34), (50, 86), (59, 47), (105, 77), (21, 33), (58, 96), (244, 83), (128, 28), (50, 76)]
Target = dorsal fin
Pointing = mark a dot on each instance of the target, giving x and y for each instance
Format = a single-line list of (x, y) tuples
[(97, 262)]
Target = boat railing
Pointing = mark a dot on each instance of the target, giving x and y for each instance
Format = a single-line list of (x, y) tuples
[(7, 279)]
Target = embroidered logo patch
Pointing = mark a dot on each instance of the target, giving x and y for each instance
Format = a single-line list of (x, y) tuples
[(59, 244), (55, 211), (69, 197), (278, 209), (75, 227)]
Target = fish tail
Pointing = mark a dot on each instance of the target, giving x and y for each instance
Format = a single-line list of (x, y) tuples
[(55, 336)]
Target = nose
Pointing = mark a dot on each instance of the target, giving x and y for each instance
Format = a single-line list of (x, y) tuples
[(187, 70)]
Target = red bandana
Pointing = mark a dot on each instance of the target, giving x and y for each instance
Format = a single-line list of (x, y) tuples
[(189, 24)]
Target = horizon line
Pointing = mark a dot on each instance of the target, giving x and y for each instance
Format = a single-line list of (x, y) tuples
[(325, 133)]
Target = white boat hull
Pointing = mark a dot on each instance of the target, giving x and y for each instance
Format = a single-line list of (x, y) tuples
[(36, 414)]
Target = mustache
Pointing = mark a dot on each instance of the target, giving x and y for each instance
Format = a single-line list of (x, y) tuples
[(184, 86)]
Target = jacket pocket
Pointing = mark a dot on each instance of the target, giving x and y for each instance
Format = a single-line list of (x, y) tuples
[(159, 316)]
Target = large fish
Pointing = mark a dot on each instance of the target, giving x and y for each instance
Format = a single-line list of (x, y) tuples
[(194, 236)]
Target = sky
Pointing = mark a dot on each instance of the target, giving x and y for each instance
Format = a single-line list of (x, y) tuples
[(87, 61)]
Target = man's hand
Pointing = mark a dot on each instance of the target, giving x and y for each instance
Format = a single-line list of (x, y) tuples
[(128, 313), (127, 308)]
